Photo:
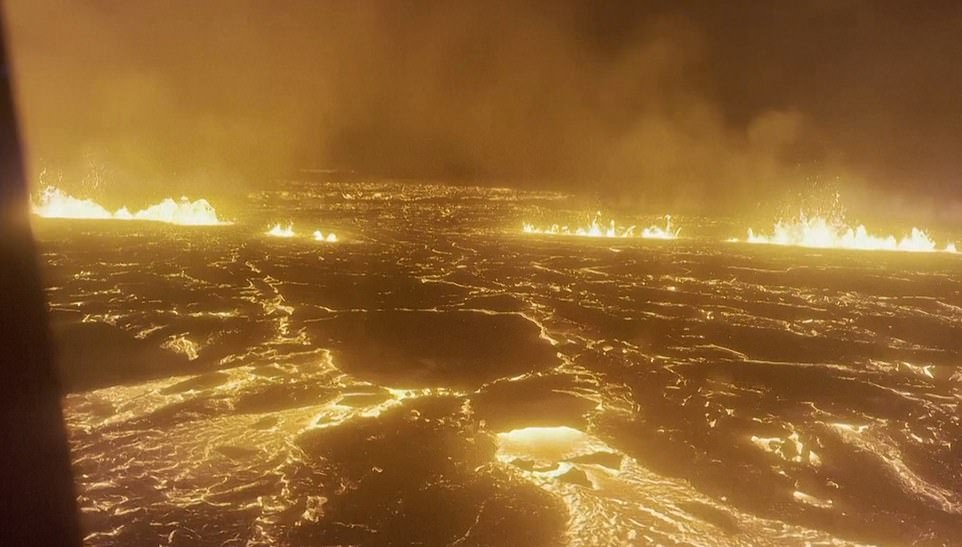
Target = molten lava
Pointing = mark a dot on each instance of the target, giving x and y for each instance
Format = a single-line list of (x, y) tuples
[(55, 203), (819, 232), (595, 229)]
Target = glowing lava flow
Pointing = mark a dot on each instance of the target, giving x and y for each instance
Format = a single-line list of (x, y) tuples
[(281, 231), (596, 230), (819, 232), (55, 203)]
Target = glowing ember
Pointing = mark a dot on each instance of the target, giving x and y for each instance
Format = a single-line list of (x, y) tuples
[(55, 203), (819, 232), (281, 231), (319, 236), (595, 229)]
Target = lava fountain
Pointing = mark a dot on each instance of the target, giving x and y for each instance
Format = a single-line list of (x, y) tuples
[(329, 238), (281, 231), (657, 232), (55, 203), (595, 229), (818, 232)]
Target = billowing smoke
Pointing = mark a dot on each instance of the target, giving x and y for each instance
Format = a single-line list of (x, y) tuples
[(691, 105)]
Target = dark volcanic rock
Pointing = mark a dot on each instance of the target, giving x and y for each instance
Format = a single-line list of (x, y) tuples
[(416, 475), (459, 349), (204, 381), (283, 396), (548, 400), (575, 476), (607, 459)]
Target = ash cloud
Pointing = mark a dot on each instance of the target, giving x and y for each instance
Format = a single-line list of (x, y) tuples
[(692, 105)]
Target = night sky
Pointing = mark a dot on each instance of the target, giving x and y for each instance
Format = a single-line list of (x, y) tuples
[(697, 105)]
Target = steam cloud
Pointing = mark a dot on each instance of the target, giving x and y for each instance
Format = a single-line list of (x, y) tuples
[(691, 105)]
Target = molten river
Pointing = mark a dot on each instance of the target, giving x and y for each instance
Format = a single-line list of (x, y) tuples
[(442, 378)]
